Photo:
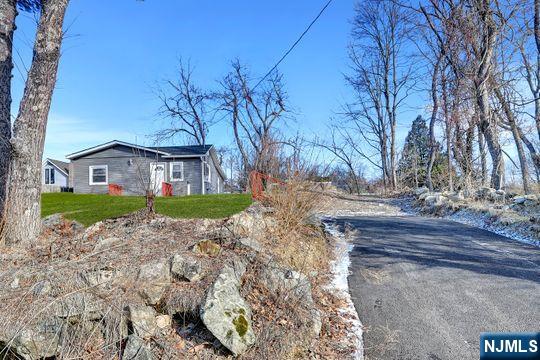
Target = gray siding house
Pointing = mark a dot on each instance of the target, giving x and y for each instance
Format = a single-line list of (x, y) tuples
[(188, 169)]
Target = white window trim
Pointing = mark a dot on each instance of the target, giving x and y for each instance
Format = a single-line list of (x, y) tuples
[(171, 171), (90, 177), (209, 172), (47, 180)]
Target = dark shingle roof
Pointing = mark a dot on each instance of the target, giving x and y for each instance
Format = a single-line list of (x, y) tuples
[(184, 150), (60, 164)]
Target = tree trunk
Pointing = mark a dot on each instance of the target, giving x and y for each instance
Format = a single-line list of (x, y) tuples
[(8, 13), (491, 136), (393, 167), (23, 207), (537, 42), (535, 157), (483, 160), (517, 139), (150, 197), (434, 111)]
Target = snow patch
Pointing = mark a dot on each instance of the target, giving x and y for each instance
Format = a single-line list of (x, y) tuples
[(472, 218), (340, 284)]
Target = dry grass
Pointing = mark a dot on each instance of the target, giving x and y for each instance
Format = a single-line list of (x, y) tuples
[(296, 239)]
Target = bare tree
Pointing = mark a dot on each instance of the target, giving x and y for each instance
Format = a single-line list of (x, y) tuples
[(22, 212), (339, 146), (255, 115), (381, 78), (190, 109)]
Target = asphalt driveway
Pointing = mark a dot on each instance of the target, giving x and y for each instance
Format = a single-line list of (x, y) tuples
[(426, 288)]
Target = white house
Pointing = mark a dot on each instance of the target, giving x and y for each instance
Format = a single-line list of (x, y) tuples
[(55, 175)]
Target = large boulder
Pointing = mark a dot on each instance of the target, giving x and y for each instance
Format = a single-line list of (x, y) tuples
[(485, 193), (421, 190), (79, 306), (226, 314), (42, 341), (57, 223), (526, 200), (153, 279), (435, 199), (183, 267)]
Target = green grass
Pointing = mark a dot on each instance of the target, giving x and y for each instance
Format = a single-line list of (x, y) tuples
[(89, 209)]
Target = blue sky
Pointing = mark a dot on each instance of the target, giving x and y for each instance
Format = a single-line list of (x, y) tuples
[(117, 51)]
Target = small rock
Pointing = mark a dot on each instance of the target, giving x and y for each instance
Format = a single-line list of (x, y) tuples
[(41, 288), (207, 247), (15, 283), (186, 268), (456, 197), (163, 321), (492, 212), (107, 243), (136, 349), (250, 244), (98, 278), (143, 320), (421, 190)]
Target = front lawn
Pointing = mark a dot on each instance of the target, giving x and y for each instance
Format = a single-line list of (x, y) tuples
[(89, 209)]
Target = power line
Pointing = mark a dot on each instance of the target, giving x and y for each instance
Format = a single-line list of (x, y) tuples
[(295, 43)]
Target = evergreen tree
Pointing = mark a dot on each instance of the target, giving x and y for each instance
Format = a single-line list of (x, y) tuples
[(415, 154)]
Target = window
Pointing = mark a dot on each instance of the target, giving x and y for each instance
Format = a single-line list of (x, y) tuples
[(177, 171), (49, 176), (98, 175)]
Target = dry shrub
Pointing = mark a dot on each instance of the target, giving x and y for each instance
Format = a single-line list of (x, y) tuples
[(293, 202), (296, 239)]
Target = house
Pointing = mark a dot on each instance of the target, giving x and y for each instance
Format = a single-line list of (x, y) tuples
[(55, 175), (193, 169)]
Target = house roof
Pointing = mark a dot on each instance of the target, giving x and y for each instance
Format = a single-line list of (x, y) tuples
[(110, 144), (60, 165), (189, 150)]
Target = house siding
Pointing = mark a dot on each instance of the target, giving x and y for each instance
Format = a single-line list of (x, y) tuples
[(126, 173), (214, 186), (60, 179)]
